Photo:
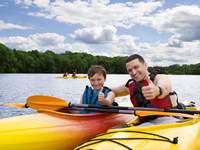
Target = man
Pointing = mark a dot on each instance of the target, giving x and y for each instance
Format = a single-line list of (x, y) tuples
[(146, 89)]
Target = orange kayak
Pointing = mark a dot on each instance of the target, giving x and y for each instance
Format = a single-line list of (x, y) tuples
[(51, 130)]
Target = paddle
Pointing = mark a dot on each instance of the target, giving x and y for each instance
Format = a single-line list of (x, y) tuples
[(18, 105), (40, 101), (48, 102), (139, 108), (53, 103), (135, 112)]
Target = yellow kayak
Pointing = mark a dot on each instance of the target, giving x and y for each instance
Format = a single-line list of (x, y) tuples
[(76, 77), (183, 135), (70, 77), (51, 130)]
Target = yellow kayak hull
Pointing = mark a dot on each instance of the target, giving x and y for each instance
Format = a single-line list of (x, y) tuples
[(52, 130), (70, 77), (76, 77), (187, 134)]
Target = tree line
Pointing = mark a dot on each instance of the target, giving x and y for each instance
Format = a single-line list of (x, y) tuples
[(18, 61)]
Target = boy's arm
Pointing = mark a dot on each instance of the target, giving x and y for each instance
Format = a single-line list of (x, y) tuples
[(108, 100)]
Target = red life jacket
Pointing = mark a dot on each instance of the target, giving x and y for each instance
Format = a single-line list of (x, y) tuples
[(140, 101)]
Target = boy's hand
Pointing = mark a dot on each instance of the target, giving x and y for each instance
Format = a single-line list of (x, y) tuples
[(101, 96)]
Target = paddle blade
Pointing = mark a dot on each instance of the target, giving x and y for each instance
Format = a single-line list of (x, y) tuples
[(147, 113), (46, 102), (14, 105)]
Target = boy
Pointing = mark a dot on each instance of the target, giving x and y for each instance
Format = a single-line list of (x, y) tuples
[(97, 94)]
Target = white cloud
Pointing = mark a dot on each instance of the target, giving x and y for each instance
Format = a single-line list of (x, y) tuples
[(126, 45), (24, 2), (161, 59), (47, 39), (43, 42), (106, 42), (160, 54), (174, 42), (28, 3), (6, 26), (93, 12), (95, 34), (80, 47), (182, 21), (41, 3), (123, 45), (17, 42), (163, 54)]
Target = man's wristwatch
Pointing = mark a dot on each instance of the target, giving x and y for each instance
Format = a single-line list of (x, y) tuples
[(160, 91)]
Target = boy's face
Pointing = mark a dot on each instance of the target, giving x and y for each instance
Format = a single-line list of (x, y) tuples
[(97, 81)]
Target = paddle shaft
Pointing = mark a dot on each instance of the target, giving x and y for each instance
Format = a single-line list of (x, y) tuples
[(136, 108), (100, 110), (135, 112)]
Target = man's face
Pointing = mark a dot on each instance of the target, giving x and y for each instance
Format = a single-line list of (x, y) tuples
[(136, 69)]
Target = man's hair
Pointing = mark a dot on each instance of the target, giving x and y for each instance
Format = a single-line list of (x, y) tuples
[(96, 69), (135, 56)]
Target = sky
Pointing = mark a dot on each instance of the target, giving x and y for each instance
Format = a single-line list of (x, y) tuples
[(164, 32)]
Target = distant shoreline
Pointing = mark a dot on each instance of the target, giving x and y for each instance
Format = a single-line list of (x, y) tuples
[(16, 61)]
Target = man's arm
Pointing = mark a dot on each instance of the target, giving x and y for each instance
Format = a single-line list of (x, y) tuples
[(120, 91), (163, 82)]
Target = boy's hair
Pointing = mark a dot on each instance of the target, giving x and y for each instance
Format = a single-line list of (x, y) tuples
[(96, 69), (135, 56)]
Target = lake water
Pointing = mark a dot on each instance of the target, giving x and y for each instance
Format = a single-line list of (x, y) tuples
[(16, 88)]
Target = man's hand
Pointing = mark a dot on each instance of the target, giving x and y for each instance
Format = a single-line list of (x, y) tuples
[(150, 91)]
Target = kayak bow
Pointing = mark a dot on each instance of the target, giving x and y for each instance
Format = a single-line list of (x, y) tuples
[(51, 130)]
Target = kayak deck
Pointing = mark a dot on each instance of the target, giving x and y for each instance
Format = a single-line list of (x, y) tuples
[(177, 136)]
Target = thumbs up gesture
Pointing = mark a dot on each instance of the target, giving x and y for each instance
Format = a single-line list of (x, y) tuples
[(101, 96), (150, 91)]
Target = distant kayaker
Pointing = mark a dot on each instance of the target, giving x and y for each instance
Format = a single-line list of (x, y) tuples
[(146, 89), (97, 93), (65, 74), (74, 74)]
